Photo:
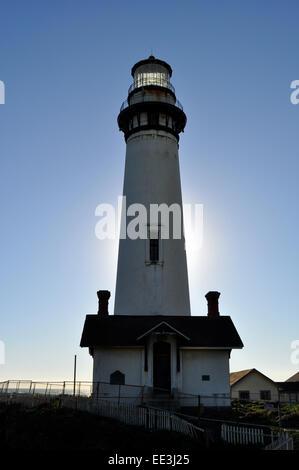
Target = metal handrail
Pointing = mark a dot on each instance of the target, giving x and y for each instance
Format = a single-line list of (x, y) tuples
[(126, 104), (86, 388)]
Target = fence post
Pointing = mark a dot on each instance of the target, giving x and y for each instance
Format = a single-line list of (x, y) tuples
[(75, 372), (119, 394), (142, 392), (207, 437), (279, 411), (198, 408)]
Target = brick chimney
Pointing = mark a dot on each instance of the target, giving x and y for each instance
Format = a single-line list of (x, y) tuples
[(212, 299), (103, 296)]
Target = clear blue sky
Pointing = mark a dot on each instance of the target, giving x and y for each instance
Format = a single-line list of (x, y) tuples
[(66, 66)]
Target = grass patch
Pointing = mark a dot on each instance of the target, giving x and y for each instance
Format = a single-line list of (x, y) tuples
[(52, 428)]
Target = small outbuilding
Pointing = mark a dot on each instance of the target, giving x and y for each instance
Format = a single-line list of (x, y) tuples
[(251, 384)]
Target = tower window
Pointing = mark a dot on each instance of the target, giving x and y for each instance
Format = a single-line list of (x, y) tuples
[(154, 246), (154, 250), (205, 377)]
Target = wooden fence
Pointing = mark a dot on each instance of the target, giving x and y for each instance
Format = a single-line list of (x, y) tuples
[(283, 442), (150, 418), (238, 435), (153, 419)]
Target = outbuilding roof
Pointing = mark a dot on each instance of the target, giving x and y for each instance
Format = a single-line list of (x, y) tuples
[(294, 378), (237, 376), (130, 330)]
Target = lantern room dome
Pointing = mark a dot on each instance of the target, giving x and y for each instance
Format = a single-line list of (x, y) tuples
[(153, 65)]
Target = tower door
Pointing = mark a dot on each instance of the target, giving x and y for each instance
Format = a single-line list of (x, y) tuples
[(162, 371)]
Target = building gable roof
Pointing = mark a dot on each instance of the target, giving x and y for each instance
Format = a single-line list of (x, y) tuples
[(291, 385), (128, 330), (294, 378), (236, 377)]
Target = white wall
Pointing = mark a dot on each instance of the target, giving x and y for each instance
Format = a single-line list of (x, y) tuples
[(152, 175), (215, 363), (130, 361), (126, 360), (194, 364)]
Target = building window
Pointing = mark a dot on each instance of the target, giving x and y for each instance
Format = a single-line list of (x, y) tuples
[(265, 395), (293, 398), (284, 397), (244, 395), (205, 377), (154, 250), (117, 378)]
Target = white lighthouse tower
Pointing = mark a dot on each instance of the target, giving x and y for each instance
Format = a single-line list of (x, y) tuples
[(152, 274), (152, 345)]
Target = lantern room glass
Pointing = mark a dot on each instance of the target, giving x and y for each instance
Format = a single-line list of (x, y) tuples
[(151, 78)]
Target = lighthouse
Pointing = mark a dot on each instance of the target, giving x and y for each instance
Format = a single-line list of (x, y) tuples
[(152, 274), (152, 344)]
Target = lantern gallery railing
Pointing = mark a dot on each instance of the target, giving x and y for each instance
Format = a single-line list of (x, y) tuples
[(144, 98)]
